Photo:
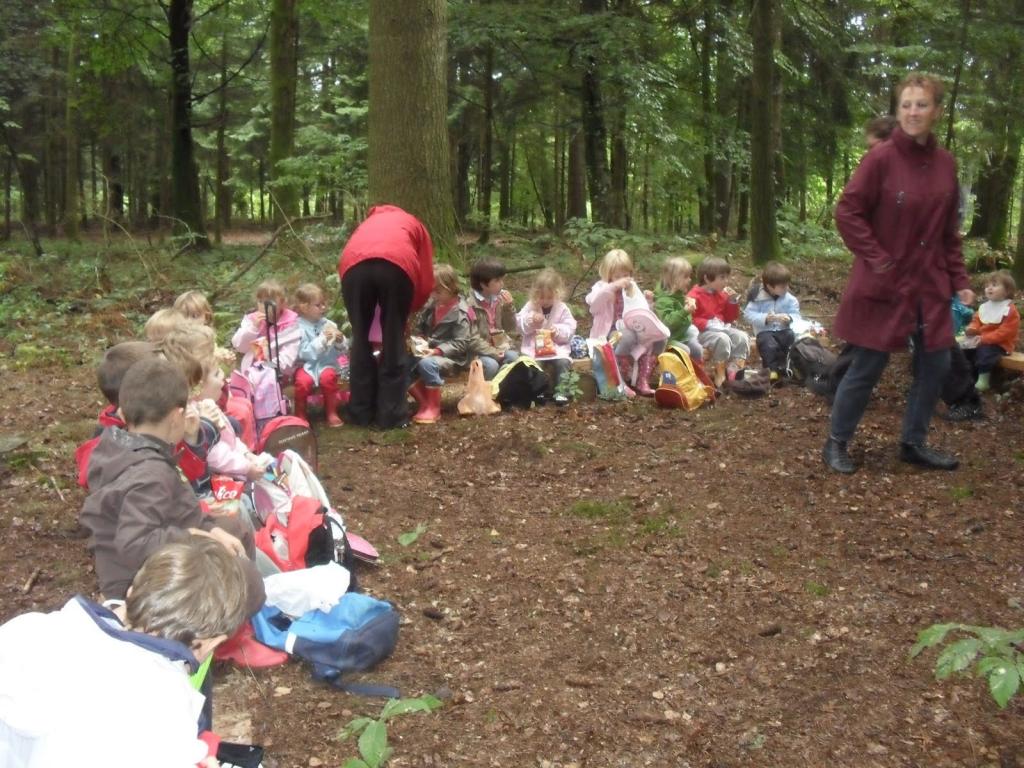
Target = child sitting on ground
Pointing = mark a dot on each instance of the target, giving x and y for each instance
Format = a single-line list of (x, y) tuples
[(717, 309), (607, 301), (138, 501), (494, 314), (251, 337), (116, 689), (994, 329), (771, 310), (195, 306), (444, 334), (674, 307), (547, 326), (321, 344)]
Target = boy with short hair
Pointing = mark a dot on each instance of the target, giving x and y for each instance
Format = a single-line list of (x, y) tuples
[(139, 502), (771, 310), (115, 689), (494, 314), (716, 311)]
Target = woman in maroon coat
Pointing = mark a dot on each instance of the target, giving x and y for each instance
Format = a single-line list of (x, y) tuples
[(388, 262), (898, 215)]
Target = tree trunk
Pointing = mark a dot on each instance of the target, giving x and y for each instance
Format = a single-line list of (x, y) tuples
[(594, 131), (1018, 258), (222, 194), (965, 14), (619, 205), (284, 72), (576, 203), (408, 137), (764, 242), (486, 181), (8, 165), (71, 143), (505, 173), (706, 189), (994, 192), (29, 189), (185, 200)]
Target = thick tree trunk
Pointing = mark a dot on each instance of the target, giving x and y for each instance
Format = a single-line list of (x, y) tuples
[(8, 166), (222, 194), (764, 242), (408, 137), (185, 200), (594, 130), (706, 189), (994, 192), (505, 173), (619, 204), (965, 15), (284, 72), (1018, 257)]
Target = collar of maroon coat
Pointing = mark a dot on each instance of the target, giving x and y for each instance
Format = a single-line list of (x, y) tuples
[(907, 145)]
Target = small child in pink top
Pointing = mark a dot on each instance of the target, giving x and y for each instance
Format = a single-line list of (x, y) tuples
[(547, 325)]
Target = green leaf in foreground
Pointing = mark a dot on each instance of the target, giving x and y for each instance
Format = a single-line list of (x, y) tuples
[(1003, 681), (394, 707), (373, 744), (353, 727), (407, 538), (932, 636), (956, 657)]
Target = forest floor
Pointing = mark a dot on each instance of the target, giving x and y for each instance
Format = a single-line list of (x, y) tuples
[(605, 584)]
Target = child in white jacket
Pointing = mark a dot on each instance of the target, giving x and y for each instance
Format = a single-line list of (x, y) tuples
[(547, 325)]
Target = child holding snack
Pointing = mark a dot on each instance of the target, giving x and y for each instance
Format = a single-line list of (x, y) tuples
[(607, 302), (319, 348), (547, 326), (716, 311), (251, 337), (674, 307), (444, 335), (494, 315), (994, 329), (771, 310)]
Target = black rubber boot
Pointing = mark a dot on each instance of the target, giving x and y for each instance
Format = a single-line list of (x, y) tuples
[(929, 458), (836, 458)]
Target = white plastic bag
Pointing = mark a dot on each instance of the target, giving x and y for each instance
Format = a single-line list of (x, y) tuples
[(307, 589)]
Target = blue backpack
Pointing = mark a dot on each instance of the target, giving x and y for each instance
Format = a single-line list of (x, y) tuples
[(358, 633)]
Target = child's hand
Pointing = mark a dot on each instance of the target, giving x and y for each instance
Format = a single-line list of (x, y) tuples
[(690, 303), (191, 423), (229, 542), (538, 318), (209, 411), (729, 292), (649, 295), (258, 317), (255, 471), (505, 297), (622, 283), (971, 332)]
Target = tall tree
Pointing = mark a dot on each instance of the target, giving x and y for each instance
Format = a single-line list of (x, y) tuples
[(763, 238), (408, 138), (284, 43), (186, 203)]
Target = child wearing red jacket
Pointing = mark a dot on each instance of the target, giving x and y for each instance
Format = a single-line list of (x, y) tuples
[(995, 326), (717, 309)]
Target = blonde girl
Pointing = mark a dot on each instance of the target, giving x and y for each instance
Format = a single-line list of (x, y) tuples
[(160, 323), (674, 307), (251, 337), (195, 306), (319, 347), (547, 325)]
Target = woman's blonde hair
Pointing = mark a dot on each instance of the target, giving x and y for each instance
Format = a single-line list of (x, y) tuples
[(673, 270), (187, 592), (195, 306), (548, 281), (446, 277), (309, 293), (162, 322), (613, 261), (192, 348)]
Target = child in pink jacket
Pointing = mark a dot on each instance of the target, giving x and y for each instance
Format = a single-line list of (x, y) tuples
[(547, 325), (251, 337)]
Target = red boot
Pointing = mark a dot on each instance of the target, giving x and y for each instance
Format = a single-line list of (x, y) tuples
[(418, 392), (645, 366), (304, 386), (430, 408), (246, 651), (332, 399), (300, 407)]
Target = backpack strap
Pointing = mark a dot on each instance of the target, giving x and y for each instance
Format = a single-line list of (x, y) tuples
[(370, 690)]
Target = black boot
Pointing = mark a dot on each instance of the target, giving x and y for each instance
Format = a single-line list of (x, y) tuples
[(923, 456), (836, 458), (965, 412)]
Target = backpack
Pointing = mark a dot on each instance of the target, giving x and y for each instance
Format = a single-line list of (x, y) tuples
[(751, 382), (354, 636), (578, 348), (807, 360), (284, 433), (683, 382), (638, 318), (826, 384), (520, 383), (267, 399), (312, 535)]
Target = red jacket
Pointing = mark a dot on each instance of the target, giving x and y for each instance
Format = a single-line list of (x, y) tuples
[(1002, 334), (898, 215), (711, 305), (391, 234)]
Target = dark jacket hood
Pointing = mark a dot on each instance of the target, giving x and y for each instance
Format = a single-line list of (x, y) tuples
[(119, 450)]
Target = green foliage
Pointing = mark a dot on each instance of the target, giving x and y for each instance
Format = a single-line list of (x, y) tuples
[(997, 651), (569, 385), (374, 750), (613, 511), (410, 537)]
